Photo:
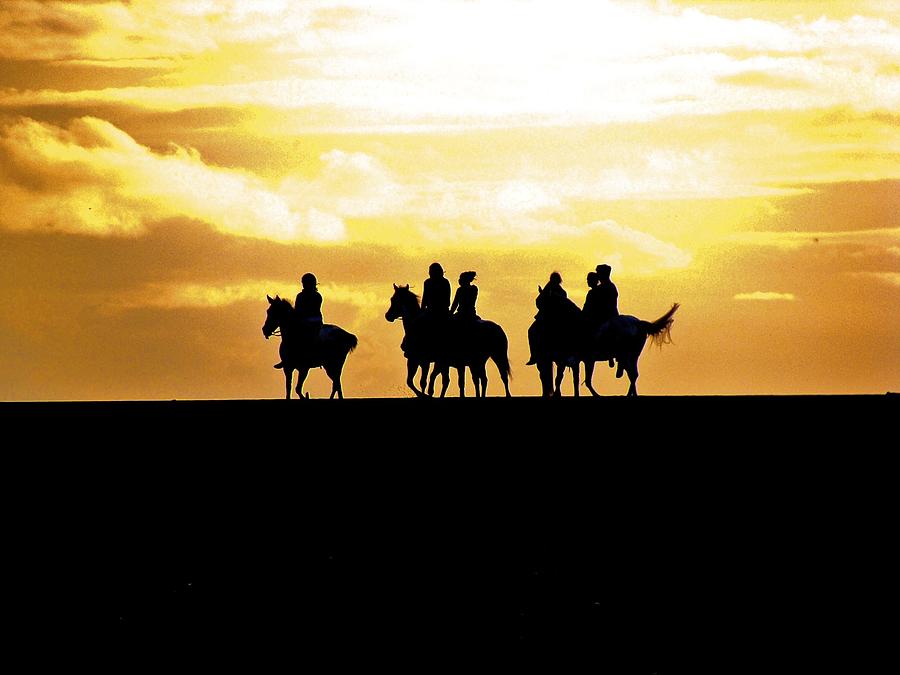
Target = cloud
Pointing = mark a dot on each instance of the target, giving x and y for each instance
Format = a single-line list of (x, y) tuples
[(795, 240), (175, 295), (446, 62), (629, 250), (662, 254), (890, 278), (763, 80), (764, 295), (351, 184), (93, 178)]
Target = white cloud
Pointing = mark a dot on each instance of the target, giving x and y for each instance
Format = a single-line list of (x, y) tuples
[(764, 295), (351, 184), (630, 250), (890, 278), (504, 62), (194, 295), (93, 178)]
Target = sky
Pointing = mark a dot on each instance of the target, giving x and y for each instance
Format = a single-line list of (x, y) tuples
[(166, 164)]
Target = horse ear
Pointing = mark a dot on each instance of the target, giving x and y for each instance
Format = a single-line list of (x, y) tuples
[(269, 299), (406, 287), (396, 288), (540, 290)]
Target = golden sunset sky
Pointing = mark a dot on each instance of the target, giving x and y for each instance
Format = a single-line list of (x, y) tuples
[(164, 164)]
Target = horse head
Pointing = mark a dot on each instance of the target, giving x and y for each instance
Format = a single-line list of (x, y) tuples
[(404, 304), (278, 312)]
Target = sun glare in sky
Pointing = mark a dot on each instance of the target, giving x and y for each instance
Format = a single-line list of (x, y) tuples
[(166, 164)]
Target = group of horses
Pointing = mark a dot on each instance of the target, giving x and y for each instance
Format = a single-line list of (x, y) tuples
[(563, 339)]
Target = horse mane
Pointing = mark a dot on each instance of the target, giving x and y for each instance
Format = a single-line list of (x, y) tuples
[(406, 289), (284, 301)]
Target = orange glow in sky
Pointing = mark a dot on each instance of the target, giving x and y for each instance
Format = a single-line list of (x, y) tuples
[(165, 164)]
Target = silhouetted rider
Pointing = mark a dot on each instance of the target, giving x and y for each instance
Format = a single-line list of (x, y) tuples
[(436, 293), (435, 311), (591, 309), (537, 329), (602, 302), (607, 295), (554, 286), (308, 310), (466, 295)]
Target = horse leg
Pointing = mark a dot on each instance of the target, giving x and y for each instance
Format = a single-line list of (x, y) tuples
[(560, 374), (632, 371), (482, 372), (301, 378), (411, 368), (576, 373), (589, 377), (288, 376), (480, 380), (504, 377), (434, 375), (424, 380), (545, 370), (334, 372), (546, 374), (461, 373)]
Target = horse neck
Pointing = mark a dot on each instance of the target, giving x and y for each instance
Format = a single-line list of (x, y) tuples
[(561, 310), (287, 324), (410, 314)]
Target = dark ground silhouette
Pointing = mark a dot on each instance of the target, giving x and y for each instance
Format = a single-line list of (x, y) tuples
[(646, 535)]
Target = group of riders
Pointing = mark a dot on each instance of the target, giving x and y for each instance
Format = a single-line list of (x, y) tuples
[(443, 319)]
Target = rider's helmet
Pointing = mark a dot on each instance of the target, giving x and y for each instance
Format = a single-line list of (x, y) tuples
[(309, 281)]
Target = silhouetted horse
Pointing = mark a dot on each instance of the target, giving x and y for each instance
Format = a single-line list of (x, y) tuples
[(420, 352), (455, 344), (567, 340), (559, 330), (623, 339), (329, 352)]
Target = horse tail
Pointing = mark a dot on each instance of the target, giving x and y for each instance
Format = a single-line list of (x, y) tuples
[(348, 341), (661, 329)]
